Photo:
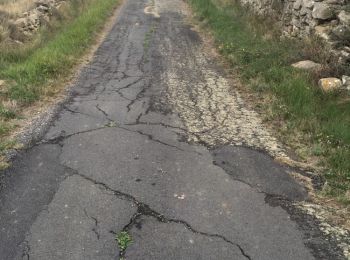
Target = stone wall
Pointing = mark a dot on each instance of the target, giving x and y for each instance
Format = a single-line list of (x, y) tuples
[(22, 27), (329, 19)]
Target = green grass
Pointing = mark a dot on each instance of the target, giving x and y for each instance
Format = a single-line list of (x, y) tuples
[(7, 114), (31, 70), (124, 240), (264, 64)]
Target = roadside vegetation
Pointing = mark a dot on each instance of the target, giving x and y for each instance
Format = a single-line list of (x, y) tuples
[(32, 71), (15, 7), (315, 124)]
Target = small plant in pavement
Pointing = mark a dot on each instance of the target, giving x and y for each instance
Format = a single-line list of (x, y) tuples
[(124, 240)]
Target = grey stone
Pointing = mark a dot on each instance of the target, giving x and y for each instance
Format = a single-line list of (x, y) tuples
[(342, 32), (344, 17), (304, 11), (297, 4), (323, 31), (45, 3), (296, 22), (334, 2), (307, 65), (344, 55), (43, 8), (346, 82), (308, 3), (322, 11)]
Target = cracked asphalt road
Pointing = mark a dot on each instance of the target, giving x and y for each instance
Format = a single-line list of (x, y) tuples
[(155, 142)]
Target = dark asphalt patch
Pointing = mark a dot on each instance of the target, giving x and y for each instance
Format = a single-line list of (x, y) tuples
[(259, 171)]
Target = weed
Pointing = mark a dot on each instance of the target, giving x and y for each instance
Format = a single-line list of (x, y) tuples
[(124, 240), (317, 150), (111, 124), (5, 145), (7, 113), (5, 128)]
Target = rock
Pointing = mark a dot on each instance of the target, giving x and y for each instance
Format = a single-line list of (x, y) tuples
[(21, 22), (322, 12), (330, 84), (344, 17), (296, 22), (304, 11), (297, 4), (43, 9), (63, 7), (308, 3), (334, 23), (307, 65), (346, 82), (16, 33), (342, 32), (42, 3), (334, 2), (344, 56), (34, 18), (323, 31)]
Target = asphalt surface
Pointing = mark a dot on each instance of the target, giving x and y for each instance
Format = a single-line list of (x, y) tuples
[(129, 152)]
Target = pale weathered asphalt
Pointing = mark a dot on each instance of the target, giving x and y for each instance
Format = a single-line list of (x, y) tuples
[(131, 152)]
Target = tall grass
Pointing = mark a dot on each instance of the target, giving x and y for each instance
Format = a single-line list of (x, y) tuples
[(322, 120), (16, 7)]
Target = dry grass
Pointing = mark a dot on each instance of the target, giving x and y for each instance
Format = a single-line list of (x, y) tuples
[(16, 7), (11, 10)]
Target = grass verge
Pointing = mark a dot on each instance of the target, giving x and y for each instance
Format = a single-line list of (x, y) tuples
[(315, 124), (29, 73)]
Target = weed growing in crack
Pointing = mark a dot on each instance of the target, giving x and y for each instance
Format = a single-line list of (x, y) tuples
[(124, 240), (111, 124)]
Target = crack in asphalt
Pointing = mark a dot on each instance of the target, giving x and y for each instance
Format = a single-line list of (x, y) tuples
[(103, 112), (138, 96), (149, 136), (59, 139), (145, 210), (138, 122), (79, 112), (131, 84), (94, 229), (26, 250)]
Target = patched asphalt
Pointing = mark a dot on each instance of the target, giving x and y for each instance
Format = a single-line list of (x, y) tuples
[(151, 143)]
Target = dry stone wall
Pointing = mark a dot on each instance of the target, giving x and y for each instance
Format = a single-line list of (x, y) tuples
[(329, 19), (24, 26)]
